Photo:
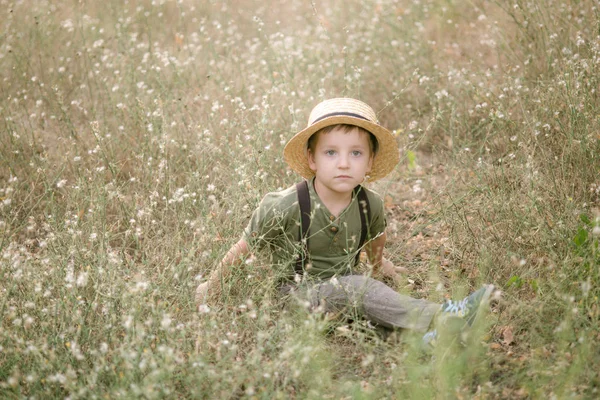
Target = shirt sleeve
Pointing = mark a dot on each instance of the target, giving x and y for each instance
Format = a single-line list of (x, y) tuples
[(378, 220), (267, 224)]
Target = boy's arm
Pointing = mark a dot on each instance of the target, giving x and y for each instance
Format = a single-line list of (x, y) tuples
[(381, 265), (210, 289)]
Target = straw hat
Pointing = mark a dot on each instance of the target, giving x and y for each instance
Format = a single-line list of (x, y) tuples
[(343, 111)]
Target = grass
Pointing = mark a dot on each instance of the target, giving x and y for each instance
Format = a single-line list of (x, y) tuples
[(136, 138)]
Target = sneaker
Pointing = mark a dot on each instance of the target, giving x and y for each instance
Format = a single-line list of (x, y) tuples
[(429, 340), (467, 308)]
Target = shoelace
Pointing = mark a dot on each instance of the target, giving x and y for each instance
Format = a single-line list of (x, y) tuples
[(456, 307)]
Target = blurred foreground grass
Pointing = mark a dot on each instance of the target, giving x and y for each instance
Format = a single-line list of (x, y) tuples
[(137, 137)]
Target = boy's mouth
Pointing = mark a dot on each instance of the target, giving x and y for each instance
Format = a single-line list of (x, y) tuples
[(343, 177)]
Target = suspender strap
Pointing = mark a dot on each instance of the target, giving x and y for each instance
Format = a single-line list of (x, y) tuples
[(304, 202), (365, 216)]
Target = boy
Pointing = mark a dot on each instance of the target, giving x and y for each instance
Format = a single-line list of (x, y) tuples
[(315, 229)]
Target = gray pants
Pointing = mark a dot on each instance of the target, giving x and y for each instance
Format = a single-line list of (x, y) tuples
[(372, 300)]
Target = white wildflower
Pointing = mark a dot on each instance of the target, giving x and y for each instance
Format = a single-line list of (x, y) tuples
[(82, 279), (204, 309), (166, 321), (103, 348), (128, 322)]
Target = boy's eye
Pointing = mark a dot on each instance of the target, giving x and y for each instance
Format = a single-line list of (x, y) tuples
[(356, 153), (330, 152)]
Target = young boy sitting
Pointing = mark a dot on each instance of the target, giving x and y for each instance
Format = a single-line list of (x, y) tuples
[(316, 229)]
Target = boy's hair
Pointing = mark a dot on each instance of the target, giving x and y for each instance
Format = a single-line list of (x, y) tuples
[(312, 141)]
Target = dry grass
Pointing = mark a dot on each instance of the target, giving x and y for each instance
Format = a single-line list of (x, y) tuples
[(136, 139)]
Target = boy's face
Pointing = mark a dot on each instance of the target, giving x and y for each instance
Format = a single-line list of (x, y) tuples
[(340, 160)]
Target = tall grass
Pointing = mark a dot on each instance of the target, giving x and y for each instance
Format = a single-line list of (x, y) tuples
[(137, 137)]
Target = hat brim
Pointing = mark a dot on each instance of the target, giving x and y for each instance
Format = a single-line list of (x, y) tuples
[(295, 152)]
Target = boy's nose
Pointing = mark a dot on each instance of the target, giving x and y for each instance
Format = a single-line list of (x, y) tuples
[(343, 161)]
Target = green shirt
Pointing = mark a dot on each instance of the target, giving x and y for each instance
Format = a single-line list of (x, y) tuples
[(332, 242)]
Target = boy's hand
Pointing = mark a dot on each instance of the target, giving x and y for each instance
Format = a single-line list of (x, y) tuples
[(390, 271), (202, 294)]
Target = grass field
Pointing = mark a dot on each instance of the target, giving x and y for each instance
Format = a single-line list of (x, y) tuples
[(136, 138)]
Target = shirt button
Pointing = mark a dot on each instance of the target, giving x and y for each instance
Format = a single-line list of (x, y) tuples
[(331, 218), (334, 229)]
